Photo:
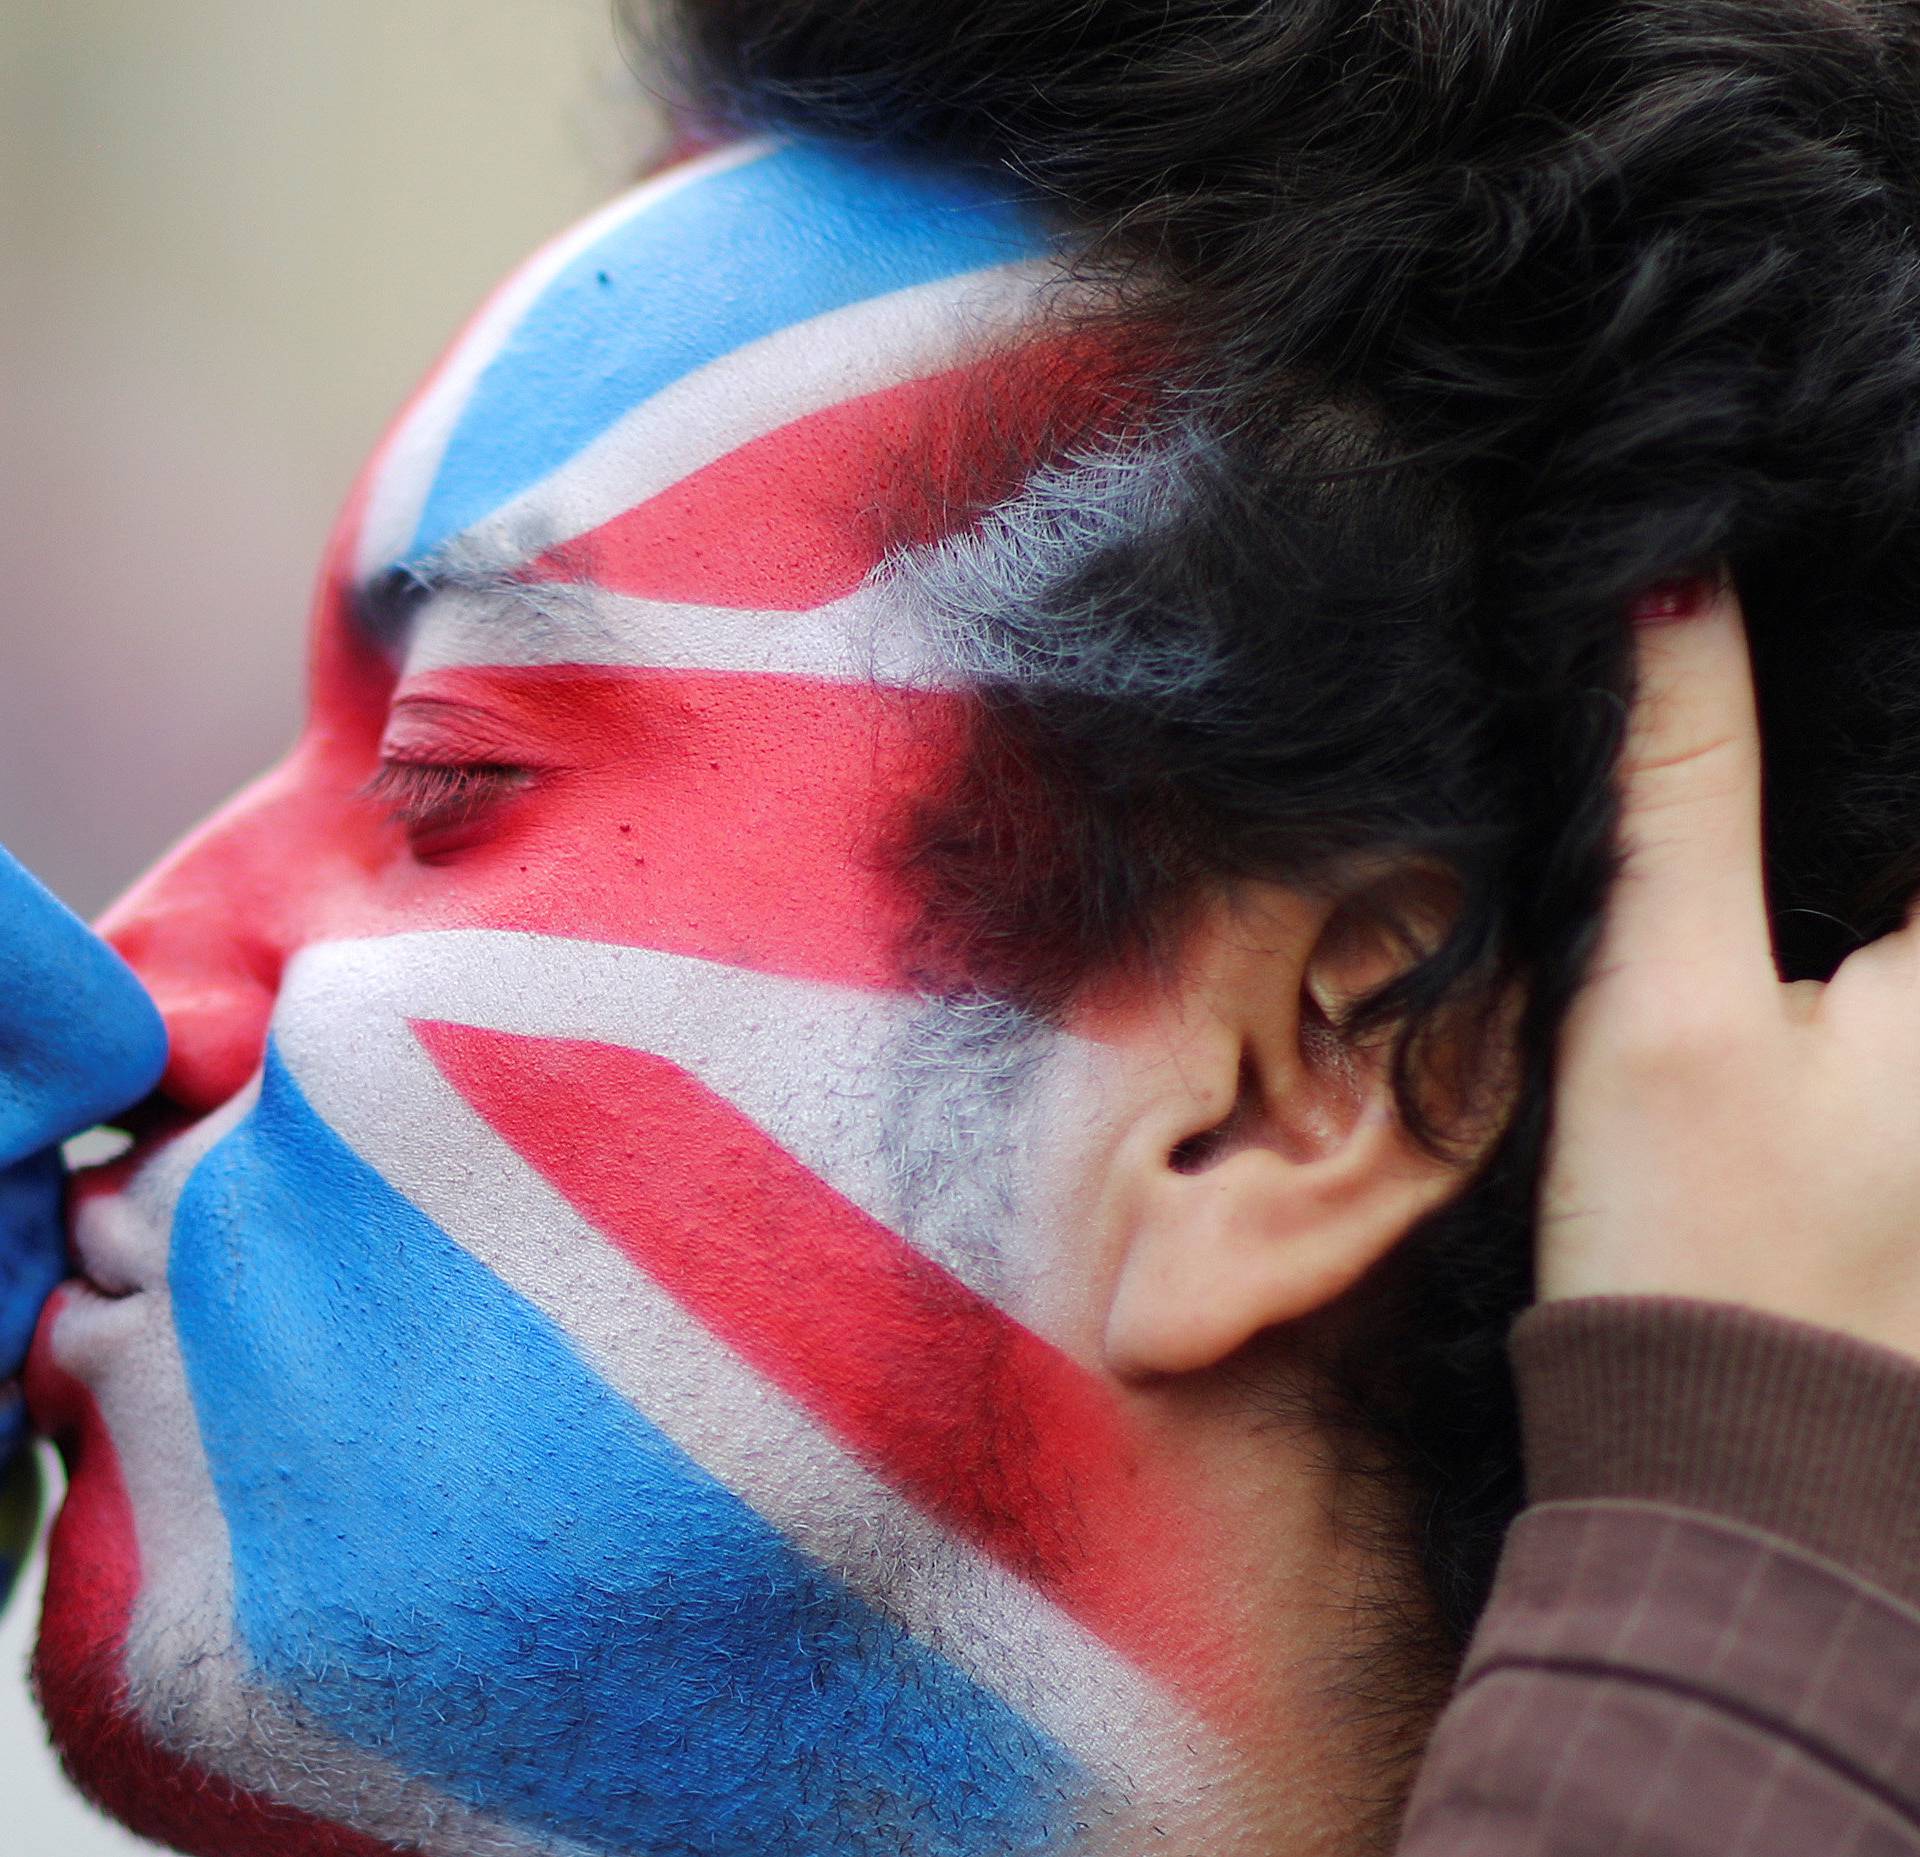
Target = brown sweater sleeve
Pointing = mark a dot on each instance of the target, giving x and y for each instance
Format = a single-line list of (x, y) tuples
[(1705, 1633)]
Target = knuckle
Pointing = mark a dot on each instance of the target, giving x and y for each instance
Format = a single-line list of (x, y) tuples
[(1710, 772), (1717, 756)]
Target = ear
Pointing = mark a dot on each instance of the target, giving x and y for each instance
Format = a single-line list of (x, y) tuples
[(1267, 1168)]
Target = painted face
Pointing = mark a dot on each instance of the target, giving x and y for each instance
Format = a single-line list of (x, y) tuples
[(78, 1041), (592, 1374)]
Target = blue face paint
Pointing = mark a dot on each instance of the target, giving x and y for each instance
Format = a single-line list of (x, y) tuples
[(793, 233), (33, 1260), (453, 1543), (79, 1040)]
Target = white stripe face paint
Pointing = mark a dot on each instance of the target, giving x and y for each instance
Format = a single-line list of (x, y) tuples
[(858, 639), (802, 1038), (804, 1061), (410, 458), (784, 377)]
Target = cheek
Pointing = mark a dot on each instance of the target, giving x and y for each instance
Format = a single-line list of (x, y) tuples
[(562, 1382), (458, 1535)]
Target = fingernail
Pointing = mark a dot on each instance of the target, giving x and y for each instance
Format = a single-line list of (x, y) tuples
[(1686, 596)]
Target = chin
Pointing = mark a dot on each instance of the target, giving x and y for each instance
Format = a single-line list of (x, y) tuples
[(80, 1664)]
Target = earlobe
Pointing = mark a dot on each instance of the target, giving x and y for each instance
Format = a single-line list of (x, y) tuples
[(1238, 1223), (1258, 1239)]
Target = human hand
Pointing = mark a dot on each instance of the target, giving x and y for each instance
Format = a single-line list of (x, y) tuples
[(1720, 1134), (79, 1040)]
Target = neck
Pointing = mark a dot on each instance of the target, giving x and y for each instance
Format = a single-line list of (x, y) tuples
[(1341, 1668)]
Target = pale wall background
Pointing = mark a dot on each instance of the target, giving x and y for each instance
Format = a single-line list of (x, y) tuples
[(232, 234)]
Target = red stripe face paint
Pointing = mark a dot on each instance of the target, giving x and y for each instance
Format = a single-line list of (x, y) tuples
[(993, 1431), (737, 816), (599, 1086)]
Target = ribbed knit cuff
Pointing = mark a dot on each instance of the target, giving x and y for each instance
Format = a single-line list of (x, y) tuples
[(1783, 1426)]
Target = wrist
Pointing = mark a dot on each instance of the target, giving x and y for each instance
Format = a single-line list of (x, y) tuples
[(1778, 1424)]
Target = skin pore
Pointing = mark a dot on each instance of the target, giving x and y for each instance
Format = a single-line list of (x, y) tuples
[(586, 1354)]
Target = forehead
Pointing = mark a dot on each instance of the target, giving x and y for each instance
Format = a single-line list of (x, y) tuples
[(766, 289)]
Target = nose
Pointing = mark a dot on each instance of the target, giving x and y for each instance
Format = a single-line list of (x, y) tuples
[(78, 1040), (210, 929)]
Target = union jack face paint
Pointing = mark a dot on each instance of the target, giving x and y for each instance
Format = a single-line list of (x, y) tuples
[(588, 1377)]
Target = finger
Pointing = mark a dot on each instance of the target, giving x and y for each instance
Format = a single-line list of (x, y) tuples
[(1691, 900)]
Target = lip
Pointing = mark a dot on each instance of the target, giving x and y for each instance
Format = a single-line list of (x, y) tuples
[(102, 1240), (110, 1237), (116, 1253), (52, 1393), (110, 1242)]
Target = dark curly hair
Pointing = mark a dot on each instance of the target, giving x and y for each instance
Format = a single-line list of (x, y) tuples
[(1470, 319)]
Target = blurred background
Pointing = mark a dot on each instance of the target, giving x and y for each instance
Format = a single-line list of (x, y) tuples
[(235, 232)]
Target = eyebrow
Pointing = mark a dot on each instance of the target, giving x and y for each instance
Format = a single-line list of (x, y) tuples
[(386, 606)]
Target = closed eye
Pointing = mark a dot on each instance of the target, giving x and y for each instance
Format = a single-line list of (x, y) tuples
[(428, 799)]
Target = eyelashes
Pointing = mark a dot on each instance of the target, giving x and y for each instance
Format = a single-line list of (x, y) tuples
[(429, 800)]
